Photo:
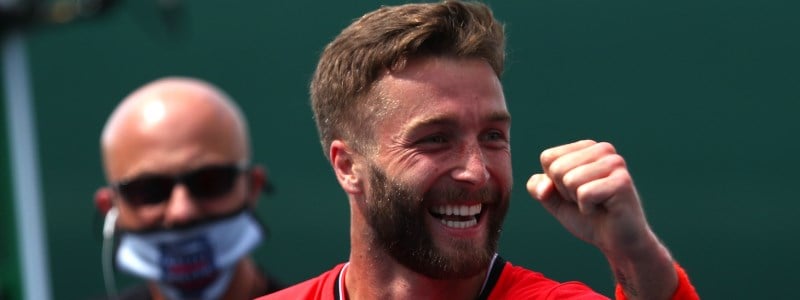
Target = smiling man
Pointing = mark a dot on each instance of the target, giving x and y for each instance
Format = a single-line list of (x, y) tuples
[(412, 116)]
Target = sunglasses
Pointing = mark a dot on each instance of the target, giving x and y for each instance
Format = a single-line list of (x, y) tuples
[(204, 184)]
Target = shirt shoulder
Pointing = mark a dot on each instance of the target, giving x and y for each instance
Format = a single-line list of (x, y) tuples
[(318, 288), (519, 283)]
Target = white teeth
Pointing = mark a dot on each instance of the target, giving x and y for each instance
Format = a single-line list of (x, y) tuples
[(460, 224), (458, 210), (438, 210), (468, 212), (474, 210)]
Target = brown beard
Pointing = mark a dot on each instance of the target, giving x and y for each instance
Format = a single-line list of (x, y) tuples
[(396, 216)]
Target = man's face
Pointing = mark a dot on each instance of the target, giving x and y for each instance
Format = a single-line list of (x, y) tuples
[(440, 175), (175, 139)]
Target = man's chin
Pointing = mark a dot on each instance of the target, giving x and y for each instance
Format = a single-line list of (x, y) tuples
[(456, 253), (457, 260)]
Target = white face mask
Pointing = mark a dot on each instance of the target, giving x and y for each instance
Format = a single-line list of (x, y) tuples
[(191, 263)]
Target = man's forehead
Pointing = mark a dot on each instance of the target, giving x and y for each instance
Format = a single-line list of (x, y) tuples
[(164, 139), (432, 78)]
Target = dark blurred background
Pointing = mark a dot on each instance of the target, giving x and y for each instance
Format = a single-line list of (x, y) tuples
[(700, 96)]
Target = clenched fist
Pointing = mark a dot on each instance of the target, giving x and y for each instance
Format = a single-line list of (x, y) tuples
[(587, 187)]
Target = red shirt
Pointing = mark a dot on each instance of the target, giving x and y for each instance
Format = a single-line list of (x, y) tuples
[(503, 281)]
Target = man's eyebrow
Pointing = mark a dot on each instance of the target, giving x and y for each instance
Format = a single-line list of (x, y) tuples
[(436, 120), (447, 120), (499, 116)]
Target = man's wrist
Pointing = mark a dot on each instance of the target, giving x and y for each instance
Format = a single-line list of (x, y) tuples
[(644, 270), (683, 291)]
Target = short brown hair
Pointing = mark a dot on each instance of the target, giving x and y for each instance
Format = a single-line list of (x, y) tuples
[(384, 40)]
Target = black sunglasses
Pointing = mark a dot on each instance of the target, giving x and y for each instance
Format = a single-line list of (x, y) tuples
[(204, 184)]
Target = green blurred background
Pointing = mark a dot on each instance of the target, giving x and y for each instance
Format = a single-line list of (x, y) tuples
[(700, 96)]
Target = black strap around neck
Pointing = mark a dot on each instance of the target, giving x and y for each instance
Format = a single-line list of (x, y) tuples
[(495, 269)]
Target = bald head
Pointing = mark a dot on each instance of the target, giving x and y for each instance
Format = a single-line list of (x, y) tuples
[(175, 123)]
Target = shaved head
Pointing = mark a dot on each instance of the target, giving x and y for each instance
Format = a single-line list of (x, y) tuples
[(173, 115), (176, 155)]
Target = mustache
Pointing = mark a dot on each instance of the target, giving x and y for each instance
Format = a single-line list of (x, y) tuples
[(454, 194), (449, 193)]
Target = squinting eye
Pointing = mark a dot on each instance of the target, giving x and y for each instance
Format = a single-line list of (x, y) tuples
[(434, 139), (494, 135)]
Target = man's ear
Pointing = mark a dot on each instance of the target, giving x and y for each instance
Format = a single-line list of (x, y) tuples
[(258, 182), (102, 200), (347, 167)]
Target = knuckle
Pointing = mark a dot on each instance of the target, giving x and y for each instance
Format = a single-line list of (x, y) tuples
[(570, 180), (623, 178), (583, 194), (547, 156), (557, 169), (615, 160), (606, 147)]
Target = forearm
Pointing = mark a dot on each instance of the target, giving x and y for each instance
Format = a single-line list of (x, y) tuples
[(645, 271)]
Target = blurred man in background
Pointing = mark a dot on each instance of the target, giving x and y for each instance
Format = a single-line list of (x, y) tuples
[(181, 194), (412, 117)]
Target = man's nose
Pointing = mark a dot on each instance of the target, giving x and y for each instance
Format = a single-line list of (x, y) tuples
[(181, 207), (471, 166)]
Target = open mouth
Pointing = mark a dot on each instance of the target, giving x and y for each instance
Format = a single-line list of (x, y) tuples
[(457, 216)]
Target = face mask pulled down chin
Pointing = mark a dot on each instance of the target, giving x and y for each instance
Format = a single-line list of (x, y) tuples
[(190, 263)]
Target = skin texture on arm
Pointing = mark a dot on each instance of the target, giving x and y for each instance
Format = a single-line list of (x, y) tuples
[(587, 187)]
